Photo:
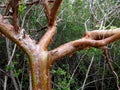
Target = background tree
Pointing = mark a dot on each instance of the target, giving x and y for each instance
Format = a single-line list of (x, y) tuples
[(86, 15)]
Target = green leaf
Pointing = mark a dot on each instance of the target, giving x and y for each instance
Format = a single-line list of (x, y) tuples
[(22, 7)]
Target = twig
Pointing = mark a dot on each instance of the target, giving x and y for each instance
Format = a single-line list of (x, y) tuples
[(4, 72), (85, 24), (87, 73), (75, 70), (23, 21), (96, 81), (10, 57), (103, 77), (111, 67)]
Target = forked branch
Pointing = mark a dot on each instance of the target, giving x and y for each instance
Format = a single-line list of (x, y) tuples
[(51, 14)]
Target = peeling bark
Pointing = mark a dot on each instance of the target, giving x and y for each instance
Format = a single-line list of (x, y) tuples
[(97, 38), (45, 42)]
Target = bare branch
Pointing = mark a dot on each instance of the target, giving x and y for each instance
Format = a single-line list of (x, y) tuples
[(47, 38), (54, 11), (88, 70), (51, 12), (111, 67), (21, 39), (46, 9), (13, 4), (91, 39), (51, 16)]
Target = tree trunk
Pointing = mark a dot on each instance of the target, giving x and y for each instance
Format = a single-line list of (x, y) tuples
[(40, 70)]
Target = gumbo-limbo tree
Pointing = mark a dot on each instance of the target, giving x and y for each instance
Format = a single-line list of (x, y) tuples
[(40, 58)]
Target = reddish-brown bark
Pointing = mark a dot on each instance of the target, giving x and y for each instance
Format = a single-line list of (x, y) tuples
[(97, 38), (40, 59), (45, 42)]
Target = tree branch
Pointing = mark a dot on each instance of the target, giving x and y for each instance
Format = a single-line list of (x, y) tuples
[(20, 38), (13, 5), (47, 38), (54, 11), (97, 38), (51, 16), (46, 9)]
